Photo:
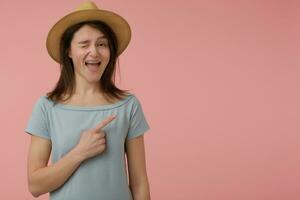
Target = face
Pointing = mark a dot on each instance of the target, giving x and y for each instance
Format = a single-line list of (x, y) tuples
[(90, 54)]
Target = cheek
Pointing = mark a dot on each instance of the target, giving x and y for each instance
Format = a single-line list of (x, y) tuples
[(106, 54), (78, 63), (78, 57)]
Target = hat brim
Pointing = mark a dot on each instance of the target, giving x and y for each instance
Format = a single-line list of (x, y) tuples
[(117, 23)]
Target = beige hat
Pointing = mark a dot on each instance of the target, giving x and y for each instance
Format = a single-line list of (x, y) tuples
[(85, 12)]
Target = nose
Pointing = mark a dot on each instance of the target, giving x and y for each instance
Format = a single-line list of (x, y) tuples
[(94, 51)]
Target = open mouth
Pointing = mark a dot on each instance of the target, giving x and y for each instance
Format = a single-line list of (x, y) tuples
[(92, 66)]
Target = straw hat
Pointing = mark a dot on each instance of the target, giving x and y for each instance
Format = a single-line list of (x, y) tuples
[(85, 12)]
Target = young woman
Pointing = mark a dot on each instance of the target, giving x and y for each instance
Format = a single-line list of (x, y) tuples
[(86, 123)]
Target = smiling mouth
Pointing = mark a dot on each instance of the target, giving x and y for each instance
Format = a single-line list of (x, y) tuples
[(93, 67)]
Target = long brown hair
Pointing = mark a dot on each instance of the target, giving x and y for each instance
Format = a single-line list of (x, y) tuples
[(66, 82)]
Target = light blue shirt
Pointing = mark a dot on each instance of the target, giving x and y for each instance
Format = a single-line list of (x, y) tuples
[(102, 177)]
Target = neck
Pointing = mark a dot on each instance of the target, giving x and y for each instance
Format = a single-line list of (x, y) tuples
[(84, 88)]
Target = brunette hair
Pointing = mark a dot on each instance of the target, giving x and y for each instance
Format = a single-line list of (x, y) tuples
[(66, 82)]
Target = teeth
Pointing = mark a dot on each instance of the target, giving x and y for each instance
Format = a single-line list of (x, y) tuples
[(86, 63), (93, 62)]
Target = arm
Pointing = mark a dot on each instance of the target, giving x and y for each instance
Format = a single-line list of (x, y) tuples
[(43, 178), (138, 180)]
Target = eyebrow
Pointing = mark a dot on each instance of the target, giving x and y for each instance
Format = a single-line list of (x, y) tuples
[(86, 41)]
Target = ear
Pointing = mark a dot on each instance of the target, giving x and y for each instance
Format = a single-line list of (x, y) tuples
[(70, 53)]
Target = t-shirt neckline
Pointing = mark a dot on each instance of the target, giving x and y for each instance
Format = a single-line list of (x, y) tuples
[(96, 107)]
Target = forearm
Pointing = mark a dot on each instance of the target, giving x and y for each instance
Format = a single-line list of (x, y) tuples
[(141, 191), (53, 176)]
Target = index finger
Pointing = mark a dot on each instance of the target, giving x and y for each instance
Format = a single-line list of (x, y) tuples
[(104, 122)]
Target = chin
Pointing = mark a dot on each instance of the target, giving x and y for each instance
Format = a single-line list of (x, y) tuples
[(90, 78)]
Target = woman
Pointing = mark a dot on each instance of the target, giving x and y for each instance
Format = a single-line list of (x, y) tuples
[(86, 122)]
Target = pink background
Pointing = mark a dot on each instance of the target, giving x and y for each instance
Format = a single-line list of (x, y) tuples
[(218, 81)]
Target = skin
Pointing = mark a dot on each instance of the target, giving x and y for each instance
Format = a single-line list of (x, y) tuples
[(138, 180), (88, 44), (44, 178)]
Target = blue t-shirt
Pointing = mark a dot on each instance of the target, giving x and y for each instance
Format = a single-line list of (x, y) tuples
[(104, 176)]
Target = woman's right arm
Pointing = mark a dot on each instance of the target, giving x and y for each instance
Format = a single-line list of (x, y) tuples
[(43, 178)]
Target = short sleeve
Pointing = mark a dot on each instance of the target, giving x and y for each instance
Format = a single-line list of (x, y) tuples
[(138, 123), (38, 123)]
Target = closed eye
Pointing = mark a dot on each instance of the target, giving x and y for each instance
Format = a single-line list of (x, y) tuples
[(101, 44)]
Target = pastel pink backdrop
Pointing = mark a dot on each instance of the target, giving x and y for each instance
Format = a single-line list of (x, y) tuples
[(218, 81)]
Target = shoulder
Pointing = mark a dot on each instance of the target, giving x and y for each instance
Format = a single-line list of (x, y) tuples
[(134, 104), (44, 103), (129, 104), (133, 99)]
